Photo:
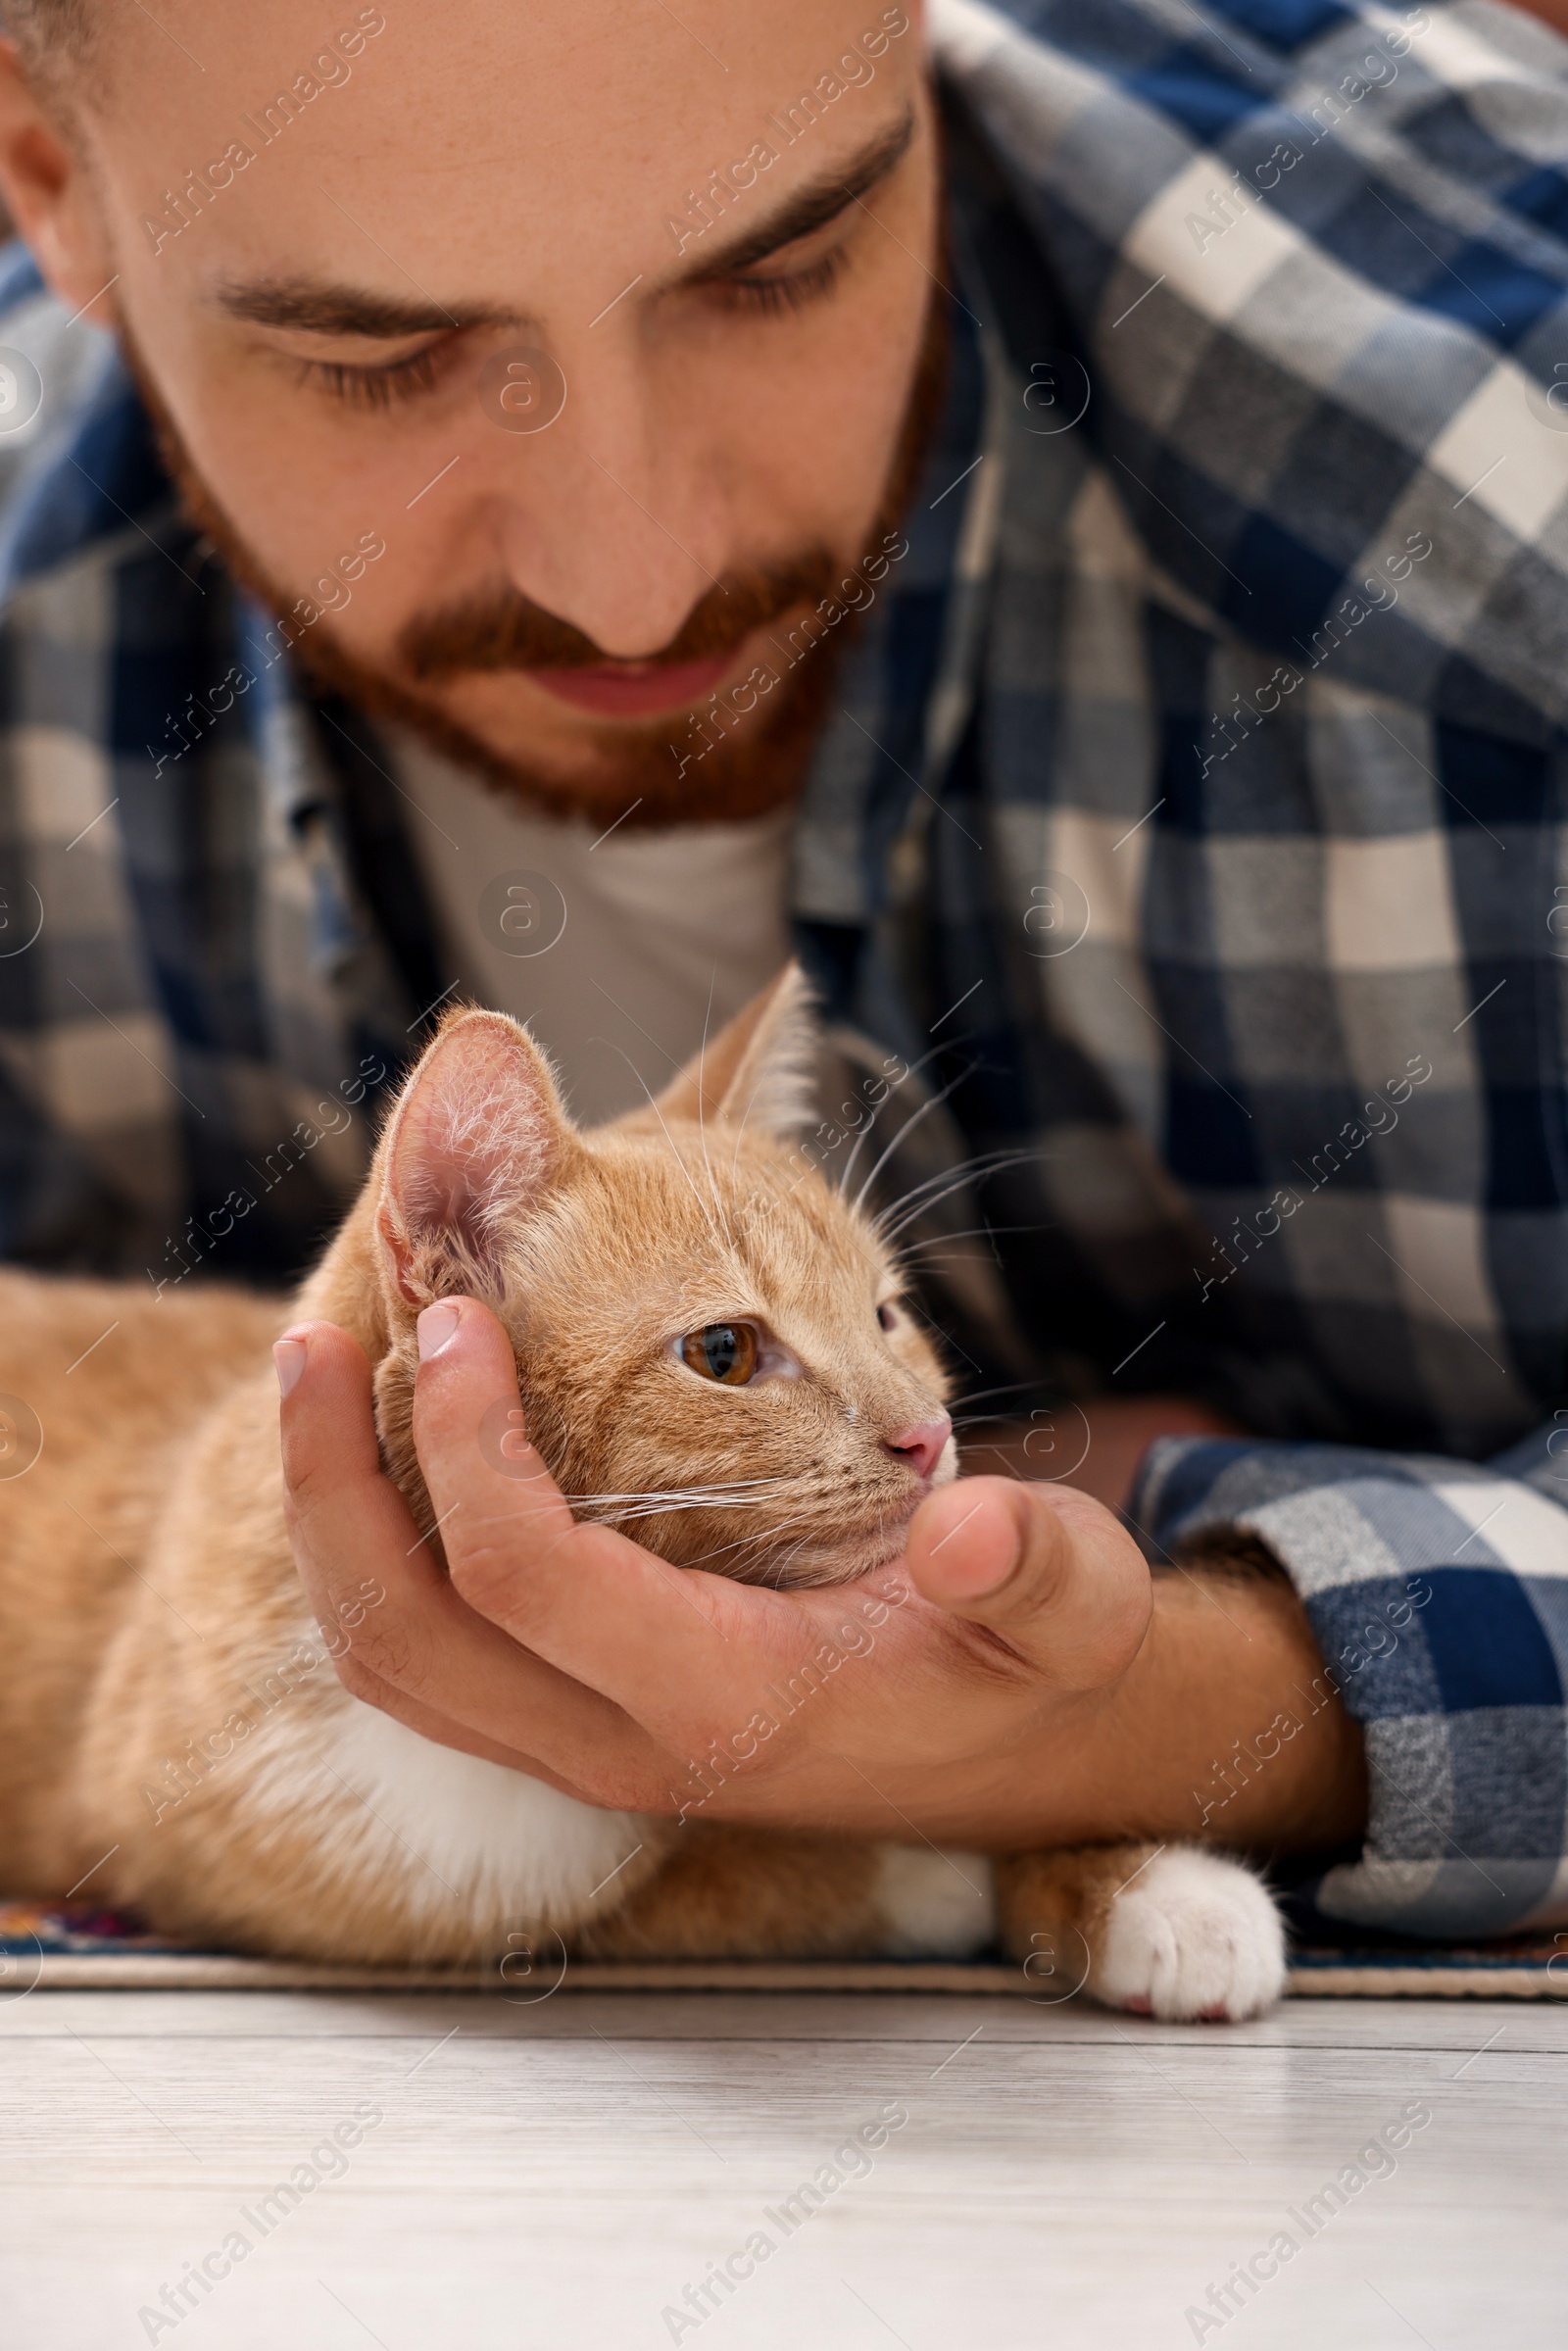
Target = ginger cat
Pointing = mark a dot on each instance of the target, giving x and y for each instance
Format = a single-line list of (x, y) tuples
[(711, 1352)]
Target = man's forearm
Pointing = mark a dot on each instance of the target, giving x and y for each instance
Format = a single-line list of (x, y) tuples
[(1224, 1728)]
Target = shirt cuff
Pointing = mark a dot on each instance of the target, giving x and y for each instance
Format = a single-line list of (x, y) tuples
[(1437, 1593)]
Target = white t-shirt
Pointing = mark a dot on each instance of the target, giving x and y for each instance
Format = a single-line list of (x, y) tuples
[(614, 948)]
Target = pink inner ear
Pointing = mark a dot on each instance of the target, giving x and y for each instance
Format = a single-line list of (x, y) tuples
[(474, 1146)]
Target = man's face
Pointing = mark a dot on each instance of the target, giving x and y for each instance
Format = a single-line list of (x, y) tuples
[(336, 338)]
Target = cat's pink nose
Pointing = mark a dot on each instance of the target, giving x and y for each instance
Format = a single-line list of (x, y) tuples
[(921, 1446)]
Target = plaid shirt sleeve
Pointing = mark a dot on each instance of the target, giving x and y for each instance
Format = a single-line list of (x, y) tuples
[(1437, 1591)]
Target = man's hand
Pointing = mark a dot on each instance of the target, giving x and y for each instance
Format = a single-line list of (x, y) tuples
[(998, 1685)]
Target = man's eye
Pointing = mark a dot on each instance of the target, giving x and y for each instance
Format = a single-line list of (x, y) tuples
[(795, 291), (376, 387), (725, 1351)]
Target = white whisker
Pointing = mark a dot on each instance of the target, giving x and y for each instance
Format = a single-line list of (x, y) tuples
[(664, 1131), (627, 1518), (671, 1495), (914, 1207), (771, 1531), (932, 1103), (983, 1164), (653, 1492), (759, 1089), (738, 1543), (702, 1110), (973, 1232), (943, 1176), (914, 1070), (789, 1558), (740, 1493)]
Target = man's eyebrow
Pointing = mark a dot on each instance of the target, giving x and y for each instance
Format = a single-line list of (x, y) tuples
[(315, 306), (813, 206), (304, 305)]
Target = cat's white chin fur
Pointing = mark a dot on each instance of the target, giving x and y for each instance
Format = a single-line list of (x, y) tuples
[(934, 1904), (1195, 1935)]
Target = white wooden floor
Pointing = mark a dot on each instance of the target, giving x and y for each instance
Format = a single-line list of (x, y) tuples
[(553, 2175)]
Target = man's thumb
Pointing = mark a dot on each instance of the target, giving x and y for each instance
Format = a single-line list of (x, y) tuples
[(1043, 1565)]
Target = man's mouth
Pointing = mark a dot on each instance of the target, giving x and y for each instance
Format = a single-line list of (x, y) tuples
[(635, 689)]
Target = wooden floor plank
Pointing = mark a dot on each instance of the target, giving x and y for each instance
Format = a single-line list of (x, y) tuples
[(559, 2176), (724, 2016)]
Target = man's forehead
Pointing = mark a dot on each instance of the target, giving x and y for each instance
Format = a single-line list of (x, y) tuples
[(560, 131), (310, 304)]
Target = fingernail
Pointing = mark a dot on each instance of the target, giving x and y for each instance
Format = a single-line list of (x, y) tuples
[(435, 1326), (289, 1356)]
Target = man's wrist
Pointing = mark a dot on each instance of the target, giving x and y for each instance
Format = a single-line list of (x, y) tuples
[(1224, 1728)]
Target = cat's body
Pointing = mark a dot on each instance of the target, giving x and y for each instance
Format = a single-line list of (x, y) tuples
[(710, 1353)]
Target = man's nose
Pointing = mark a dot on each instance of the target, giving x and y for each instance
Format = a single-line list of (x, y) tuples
[(608, 520), (920, 1446)]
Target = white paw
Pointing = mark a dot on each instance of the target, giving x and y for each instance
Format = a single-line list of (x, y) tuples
[(934, 1904), (1193, 1935)]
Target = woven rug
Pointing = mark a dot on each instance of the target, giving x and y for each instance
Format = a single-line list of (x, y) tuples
[(78, 1948)]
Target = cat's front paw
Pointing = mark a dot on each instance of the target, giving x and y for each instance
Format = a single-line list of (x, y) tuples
[(1192, 1936)]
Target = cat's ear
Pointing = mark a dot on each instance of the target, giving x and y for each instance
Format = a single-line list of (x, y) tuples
[(476, 1140), (760, 1071)]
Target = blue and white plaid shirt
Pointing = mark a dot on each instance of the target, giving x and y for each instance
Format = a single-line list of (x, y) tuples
[(1194, 795)]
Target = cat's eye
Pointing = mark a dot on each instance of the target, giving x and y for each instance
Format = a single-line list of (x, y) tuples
[(724, 1350), (887, 1316)]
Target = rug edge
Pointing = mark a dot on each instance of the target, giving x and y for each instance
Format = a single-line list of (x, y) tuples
[(203, 1972)]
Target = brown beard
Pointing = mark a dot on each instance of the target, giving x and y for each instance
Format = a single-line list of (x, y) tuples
[(703, 764)]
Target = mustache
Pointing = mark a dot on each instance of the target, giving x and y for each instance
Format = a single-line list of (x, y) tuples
[(507, 630)]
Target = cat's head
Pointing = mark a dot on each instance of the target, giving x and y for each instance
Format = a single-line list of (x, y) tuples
[(712, 1349)]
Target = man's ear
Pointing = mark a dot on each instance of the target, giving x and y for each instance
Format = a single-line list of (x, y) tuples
[(477, 1140), (48, 190), (760, 1071)]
